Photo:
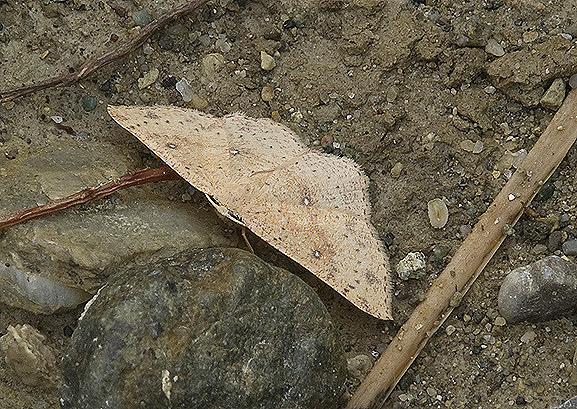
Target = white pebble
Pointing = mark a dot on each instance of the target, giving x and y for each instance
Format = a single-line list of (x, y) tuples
[(184, 88), (267, 62), (493, 47), (438, 213)]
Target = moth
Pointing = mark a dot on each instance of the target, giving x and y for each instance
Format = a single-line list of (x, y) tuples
[(311, 206)]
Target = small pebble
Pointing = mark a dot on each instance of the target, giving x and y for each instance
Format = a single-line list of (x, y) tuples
[(147, 49), (465, 230), (554, 96), (540, 291), (198, 102), (267, 62), (438, 213), (89, 103), (184, 88), (212, 63), (141, 17), (358, 367), (267, 93), (288, 24), (411, 264), (148, 79), (275, 116), (489, 89), (570, 247), (530, 36), (573, 81), (493, 47), (450, 330), (528, 336), (440, 251), (500, 321), (555, 240), (396, 170)]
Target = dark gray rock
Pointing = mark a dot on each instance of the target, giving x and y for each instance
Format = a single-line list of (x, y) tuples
[(543, 290), (213, 328)]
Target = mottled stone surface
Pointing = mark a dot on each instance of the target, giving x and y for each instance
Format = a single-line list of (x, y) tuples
[(543, 290), (215, 328), (52, 262)]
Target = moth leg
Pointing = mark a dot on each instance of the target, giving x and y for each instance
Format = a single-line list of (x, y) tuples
[(243, 233)]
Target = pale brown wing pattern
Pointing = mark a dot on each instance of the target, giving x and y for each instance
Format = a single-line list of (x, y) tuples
[(340, 249), (310, 206)]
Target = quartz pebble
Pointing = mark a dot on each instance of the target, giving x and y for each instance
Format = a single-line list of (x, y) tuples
[(528, 336), (530, 36), (396, 170), (267, 62), (554, 96), (493, 47), (540, 291), (184, 88)]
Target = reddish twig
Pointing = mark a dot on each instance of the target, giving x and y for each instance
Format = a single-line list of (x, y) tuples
[(92, 65), (132, 179)]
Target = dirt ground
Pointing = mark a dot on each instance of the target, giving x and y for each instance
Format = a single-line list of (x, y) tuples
[(407, 82)]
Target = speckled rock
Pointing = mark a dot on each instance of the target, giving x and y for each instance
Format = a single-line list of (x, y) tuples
[(54, 262), (543, 290), (216, 328)]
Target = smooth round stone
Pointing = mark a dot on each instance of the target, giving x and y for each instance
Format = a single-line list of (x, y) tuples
[(207, 328), (89, 103), (543, 290)]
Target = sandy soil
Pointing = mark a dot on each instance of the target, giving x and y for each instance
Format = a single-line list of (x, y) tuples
[(401, 82)]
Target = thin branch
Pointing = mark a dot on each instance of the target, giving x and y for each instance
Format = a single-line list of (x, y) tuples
[(132, 179), (470, 258), (95, 64)]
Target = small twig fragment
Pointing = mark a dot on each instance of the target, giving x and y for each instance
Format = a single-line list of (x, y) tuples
[(92, 65), (132, 179)]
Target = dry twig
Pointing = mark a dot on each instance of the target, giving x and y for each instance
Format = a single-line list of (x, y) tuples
[(95, 64), (470, 258), (132, 179)]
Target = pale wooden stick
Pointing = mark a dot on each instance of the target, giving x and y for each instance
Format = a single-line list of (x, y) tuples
[(470, 258)]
